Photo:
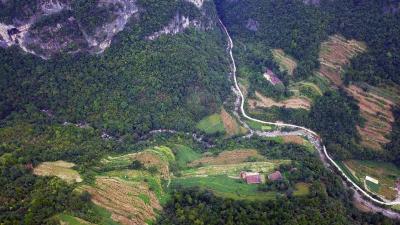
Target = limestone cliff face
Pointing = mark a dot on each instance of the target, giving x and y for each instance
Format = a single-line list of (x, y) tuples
[(50, 27)]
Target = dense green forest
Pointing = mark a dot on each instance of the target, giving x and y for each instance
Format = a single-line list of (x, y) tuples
[(335, 118), (193, 206)]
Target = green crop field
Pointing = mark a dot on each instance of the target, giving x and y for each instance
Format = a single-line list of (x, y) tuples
[(372, 186), (348, 172), (105, 216), (70, 220), (226, 187), (266, 128), (254, 125), (306, 89), (185, 155), (154, 182), (301, 189), (102, 213), (211, 124)]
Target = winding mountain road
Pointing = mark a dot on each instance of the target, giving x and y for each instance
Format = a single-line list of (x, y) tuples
[(317, 142)]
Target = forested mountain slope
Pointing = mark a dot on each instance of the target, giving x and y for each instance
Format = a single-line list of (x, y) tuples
[(139, 84), (164, 68)]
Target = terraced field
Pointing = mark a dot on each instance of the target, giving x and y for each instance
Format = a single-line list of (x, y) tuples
[(125, 200), (158, 157), (121, 195), (262, 101), (375, 103), (229, 157), (335, 54), (286, 63), (377, 111)]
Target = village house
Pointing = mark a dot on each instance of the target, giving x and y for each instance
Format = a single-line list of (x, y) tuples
[(275, 176), (271, 77), (251, 177)]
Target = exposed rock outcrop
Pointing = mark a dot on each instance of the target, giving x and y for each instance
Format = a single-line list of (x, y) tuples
[(181, 22), (197, 3), (177, 25), (50, 27), (56, 26)]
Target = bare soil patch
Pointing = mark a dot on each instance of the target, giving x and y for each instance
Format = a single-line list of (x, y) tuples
[(335, 54), (293, 103), (293, 139), (123, 200), (228, 157), (59, 169), (232, 127), (285, 62)]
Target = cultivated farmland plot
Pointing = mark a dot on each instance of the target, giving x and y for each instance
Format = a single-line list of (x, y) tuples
[(385, 173)]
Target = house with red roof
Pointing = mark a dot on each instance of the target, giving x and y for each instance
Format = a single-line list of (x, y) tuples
[(271, 77), (251, 177), (275, 176)]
